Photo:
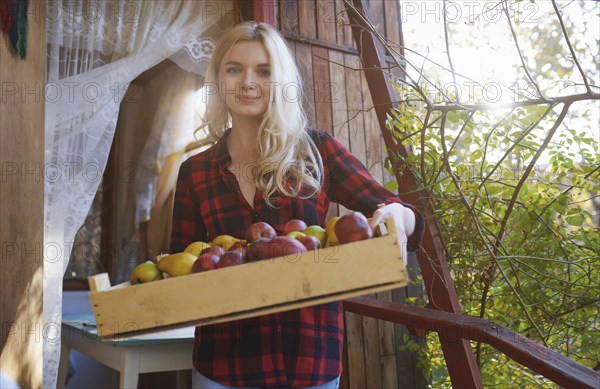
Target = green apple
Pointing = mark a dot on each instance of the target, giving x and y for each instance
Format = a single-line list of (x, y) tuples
[(318, 232), (145, 272)]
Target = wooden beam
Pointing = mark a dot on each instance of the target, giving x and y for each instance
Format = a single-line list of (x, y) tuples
[(265, 11), (552, 365), (460, 360)]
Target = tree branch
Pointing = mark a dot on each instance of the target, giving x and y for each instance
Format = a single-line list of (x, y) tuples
[(514, 35), (564, 31)]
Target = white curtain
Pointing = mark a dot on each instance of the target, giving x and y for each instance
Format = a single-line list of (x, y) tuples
[(95, 49)]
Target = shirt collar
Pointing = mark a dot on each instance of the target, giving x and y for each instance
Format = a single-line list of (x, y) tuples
[(221, 152)]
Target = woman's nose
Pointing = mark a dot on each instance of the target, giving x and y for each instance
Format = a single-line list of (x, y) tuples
[(248, 81)]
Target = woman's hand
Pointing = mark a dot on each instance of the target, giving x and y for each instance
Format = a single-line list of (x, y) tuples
[(404, 220)]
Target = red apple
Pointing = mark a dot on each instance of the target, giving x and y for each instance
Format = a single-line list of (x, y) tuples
[(230, 258), (239, 247), (259, 230), (284, 246), (258, 250), (310, 242), (206, 261), (217, 250), (294, 225), (352, 227)]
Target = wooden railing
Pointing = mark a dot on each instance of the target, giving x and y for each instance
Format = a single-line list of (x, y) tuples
[(552, 365)]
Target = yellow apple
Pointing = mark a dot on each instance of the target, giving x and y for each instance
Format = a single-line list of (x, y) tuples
[(295, 234)]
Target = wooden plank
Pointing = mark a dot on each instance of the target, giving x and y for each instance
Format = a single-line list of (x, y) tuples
[(304, 59), (392, 22), (378, 15), (323, 88), (404, 358), (288, 16), (372, 351), (326, 21), (389, 374), (157, 304), (307, 18), (354, 96), (339, 105), (356, 353), (344, 31), (386, 329), (99, 282), (373, 155), (552, 365), (266, 11)]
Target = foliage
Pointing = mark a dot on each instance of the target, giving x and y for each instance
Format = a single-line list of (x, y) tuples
[(514, 191)]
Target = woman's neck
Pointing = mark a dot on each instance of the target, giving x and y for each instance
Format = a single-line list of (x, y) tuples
[(241, 142)]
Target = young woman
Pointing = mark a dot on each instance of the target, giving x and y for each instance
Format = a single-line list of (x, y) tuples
[(268, 166)]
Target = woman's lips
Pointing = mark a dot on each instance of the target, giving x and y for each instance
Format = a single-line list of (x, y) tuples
[(248, 99)]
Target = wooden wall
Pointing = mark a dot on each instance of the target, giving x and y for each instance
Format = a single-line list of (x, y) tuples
[(22, 206), (339, 101)]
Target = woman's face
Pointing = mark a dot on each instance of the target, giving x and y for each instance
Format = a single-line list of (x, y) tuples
[(245, 76)]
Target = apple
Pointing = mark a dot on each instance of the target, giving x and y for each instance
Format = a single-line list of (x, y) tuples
[(310, 242), (284, 246), (294, 225), (239, 247), (217, 250), (206, 261), (353, 227), (230, 258), (318, 232), (259, 230), (258, 250), (145, 272), (295, 234)]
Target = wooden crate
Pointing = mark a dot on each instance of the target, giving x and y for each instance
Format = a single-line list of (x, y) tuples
[(248, 290)]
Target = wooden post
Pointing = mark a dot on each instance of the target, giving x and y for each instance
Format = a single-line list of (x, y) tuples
[(460, 360), (22, 87)]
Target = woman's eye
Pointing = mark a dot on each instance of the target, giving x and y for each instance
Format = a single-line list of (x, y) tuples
[(232, 70), (264, 72)]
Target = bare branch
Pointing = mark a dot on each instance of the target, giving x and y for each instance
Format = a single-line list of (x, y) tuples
[(514, 35), (564, 31), (447, 41)]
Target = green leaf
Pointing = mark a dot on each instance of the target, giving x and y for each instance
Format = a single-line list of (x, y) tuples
[(392, 186)]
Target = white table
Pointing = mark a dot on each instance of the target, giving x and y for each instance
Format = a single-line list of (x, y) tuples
[(131, 356)]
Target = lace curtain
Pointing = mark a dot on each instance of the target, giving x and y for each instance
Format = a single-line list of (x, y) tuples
[(95, 49)]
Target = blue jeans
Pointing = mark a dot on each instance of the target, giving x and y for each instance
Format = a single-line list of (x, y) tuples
[(201, 382)]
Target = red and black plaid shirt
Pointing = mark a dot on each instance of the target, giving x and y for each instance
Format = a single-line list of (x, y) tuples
[(296, 348)]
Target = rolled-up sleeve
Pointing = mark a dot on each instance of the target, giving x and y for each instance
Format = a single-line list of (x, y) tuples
[(350, 184)]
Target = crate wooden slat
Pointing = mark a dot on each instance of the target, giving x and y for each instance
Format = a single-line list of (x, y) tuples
[(251, 289)]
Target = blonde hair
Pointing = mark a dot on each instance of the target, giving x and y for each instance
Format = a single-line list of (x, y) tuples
[(288, 160)]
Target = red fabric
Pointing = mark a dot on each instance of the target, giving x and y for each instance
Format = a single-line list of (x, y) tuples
[(6, 15), (289, 349)]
